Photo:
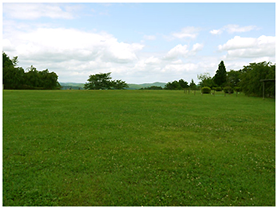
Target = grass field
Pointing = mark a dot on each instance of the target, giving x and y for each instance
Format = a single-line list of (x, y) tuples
[(133, 148)]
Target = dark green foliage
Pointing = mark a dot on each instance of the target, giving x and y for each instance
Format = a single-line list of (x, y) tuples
[(206, 90), (183, 83), (217, 88), (103, 81), (237, 89), (220, 76), (152, 88), (192, 85), (252, 75), (119, 84), (233, 78), (206, 80), (228, 90), (99, 81), (15, 77), (175, 85)]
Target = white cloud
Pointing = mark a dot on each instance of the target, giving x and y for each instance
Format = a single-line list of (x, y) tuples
[(152, 60), (187, 32), (238, 43), (68, 51), (182, 51), (239, 47), (216, 32), (238, 29), (232, 28), (67, 44), (197, 47), (177, 51), (149, 37), (34, 11)]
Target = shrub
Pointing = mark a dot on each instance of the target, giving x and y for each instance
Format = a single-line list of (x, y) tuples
[(228, 90), (237, 89), (206, 90), (218, 89)]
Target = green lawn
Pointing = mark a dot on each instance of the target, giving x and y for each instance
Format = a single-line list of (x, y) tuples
[(133, 148)]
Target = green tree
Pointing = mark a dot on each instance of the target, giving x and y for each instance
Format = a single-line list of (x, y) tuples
[(183, 84), (119, 84), (32, 77), (15, 61), (103, 81), (175, 85), (192, 85), (220, 76), (206, 80), (99, 81), (12, 76), (233, 78), (152, 88), (15, 77), (252, 74), (48, 80)]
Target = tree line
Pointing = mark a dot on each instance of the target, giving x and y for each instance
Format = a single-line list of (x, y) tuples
[(248, 79), (181, 84), (16, 78)]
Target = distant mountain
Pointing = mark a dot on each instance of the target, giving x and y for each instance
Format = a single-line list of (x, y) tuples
[(68, 85), (144, 85)]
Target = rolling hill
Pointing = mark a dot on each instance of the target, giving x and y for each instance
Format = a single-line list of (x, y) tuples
[(68, 85)]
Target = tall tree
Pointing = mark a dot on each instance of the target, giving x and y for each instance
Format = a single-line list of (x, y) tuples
[(12, 76), (32, 77), (192, 85), (220, 76)]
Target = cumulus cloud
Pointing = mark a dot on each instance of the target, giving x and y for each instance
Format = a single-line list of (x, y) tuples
[(177, 51), (65, 44), (232, 28), (182, 51), (238, 43), (67, 51), (197, 47), (240, 47), (187, 32), (34, 11)]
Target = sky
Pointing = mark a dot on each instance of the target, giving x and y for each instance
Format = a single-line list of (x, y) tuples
[(138, 42)]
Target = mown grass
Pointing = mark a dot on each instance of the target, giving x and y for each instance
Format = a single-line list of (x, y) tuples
[(133, 148)]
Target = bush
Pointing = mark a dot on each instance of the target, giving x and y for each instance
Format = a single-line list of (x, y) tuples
[(206, 90), (228, 90), (218, 89), (237, 89)]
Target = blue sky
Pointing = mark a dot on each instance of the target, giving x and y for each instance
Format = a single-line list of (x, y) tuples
[(138, 42)]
